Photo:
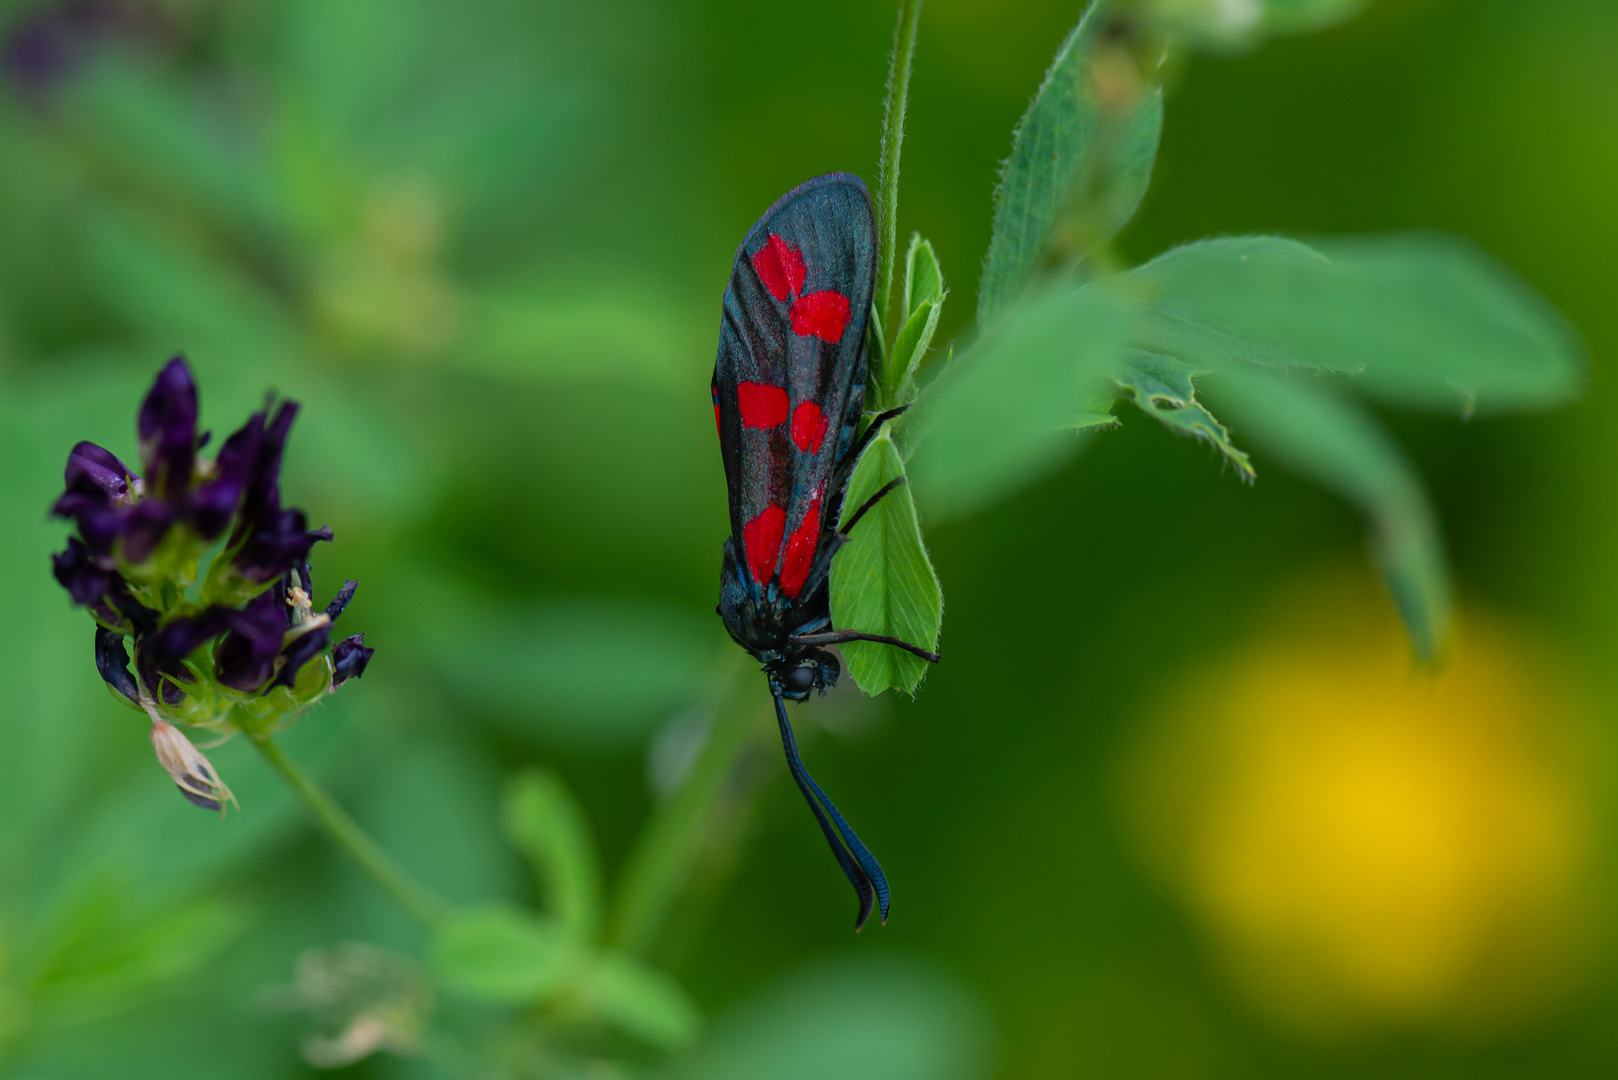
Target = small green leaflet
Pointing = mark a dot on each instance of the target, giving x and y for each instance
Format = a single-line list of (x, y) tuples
[(882, 581), (1081, 158), (1161, 387), (505, 956), (923, 304), (1323, 436), (542, 820)]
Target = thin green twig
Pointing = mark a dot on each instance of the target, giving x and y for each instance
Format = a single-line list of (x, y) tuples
[(420, 903), (887, 171)]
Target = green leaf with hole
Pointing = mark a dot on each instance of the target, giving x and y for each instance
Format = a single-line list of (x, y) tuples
[(1162, 388), (1005, 411), (1081, 158), (882, 581), (640, 1001), (1421, 321), (504, 956), (1304, 424), (542, 820)]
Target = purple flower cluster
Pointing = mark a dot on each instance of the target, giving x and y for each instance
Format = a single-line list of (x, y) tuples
[(254, 627)]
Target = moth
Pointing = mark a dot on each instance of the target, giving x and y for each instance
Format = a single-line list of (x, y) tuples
[(788, 398)]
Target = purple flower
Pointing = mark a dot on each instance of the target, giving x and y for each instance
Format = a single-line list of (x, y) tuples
[(278, 632), (161, 654), (245, 657), (90, 581), (298, 652), (276, 545), (50, 42), (348, 659), (113, 662), (167, 426), (214, 503), (98, 486), (268, 540)]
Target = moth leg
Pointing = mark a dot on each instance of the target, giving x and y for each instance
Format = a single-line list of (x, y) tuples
[(862, 442), (837, 637)]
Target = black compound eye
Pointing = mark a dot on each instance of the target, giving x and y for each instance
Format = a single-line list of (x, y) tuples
[(800, 679)]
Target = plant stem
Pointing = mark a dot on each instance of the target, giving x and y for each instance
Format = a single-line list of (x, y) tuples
[(670, 844), (887, 170), (416, 900)]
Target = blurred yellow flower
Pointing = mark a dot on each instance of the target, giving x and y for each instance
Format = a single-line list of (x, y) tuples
[(1371, 843)]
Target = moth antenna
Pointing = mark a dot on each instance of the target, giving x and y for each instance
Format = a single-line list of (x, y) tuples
[(859, 865)]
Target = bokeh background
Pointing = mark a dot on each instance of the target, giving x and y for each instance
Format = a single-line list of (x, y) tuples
[(1176, 804)]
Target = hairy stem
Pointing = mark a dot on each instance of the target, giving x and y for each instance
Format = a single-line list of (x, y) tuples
[(668, 847), (887, 171), (420, 903)]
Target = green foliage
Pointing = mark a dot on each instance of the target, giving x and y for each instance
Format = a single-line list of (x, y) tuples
[(1081, 158), (96, 950), (1005, 412), (1161, 387), (640, 1001), (542, 820), (924, 294), (1418, 321), (505, 956), (1306, 423), (882, 581)]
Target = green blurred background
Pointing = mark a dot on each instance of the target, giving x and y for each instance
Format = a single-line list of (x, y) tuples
[(1175, 804)]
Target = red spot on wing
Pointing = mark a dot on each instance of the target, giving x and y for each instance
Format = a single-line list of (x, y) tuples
[(823, 314), (713, 388), (761, 406), (780, 267), (808, 427), (801, 551), (761, 540)]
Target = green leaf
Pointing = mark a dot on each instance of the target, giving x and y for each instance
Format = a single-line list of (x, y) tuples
[(924, 280), (504, 956), (1417, 320), (910, 347), (882, 581), (1081, 158), (924, 294), (641, 1001), (1161, 387), (1319, 434), (1004, 412), (542, 820)]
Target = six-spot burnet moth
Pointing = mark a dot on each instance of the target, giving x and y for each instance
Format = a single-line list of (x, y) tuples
[(788, 397)]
